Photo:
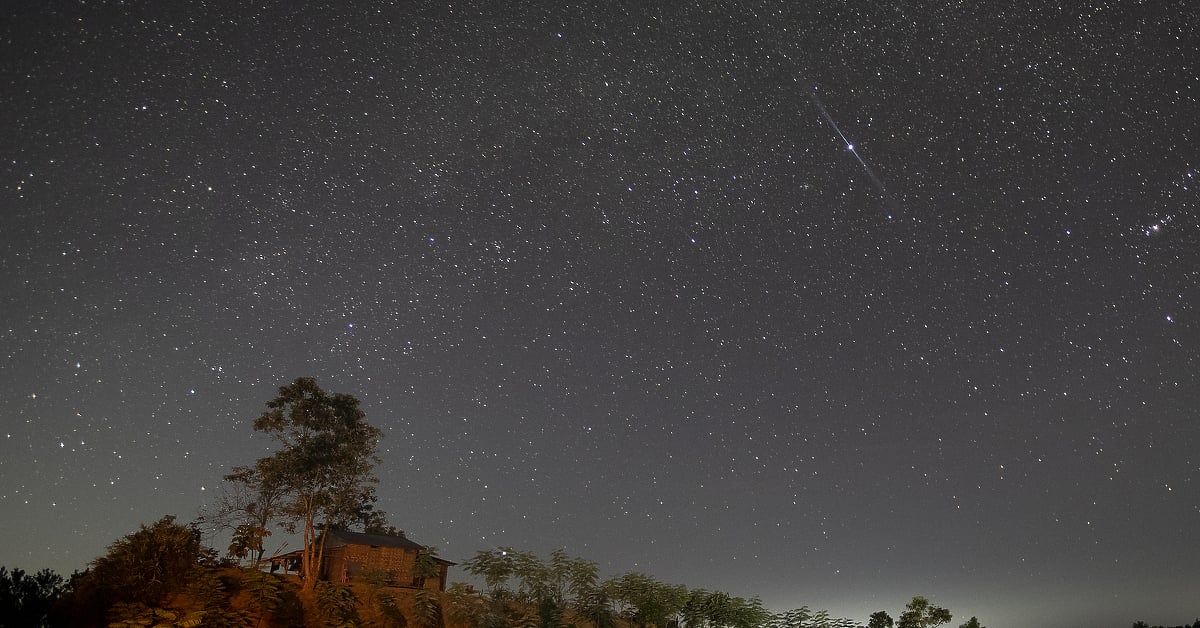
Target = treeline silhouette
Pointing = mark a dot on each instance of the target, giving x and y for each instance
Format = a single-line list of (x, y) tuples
[(322, 478), (163, 575)]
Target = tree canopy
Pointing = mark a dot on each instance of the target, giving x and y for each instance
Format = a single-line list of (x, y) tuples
[(323, 474), (26, 600), (919, 613)]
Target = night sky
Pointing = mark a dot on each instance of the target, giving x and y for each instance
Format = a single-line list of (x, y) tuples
[(833, 303)]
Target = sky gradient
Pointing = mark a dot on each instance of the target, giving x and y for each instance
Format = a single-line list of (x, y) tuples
[(830, 303)]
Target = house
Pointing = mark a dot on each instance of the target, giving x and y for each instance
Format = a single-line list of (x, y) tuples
[(348, 554)]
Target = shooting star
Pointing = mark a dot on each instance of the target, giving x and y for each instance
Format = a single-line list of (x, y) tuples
[(850, 147)]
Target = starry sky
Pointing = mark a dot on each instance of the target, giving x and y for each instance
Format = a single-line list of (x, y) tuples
[(833, 303)]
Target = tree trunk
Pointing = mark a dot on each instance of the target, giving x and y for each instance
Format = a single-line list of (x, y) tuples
[(306, 557)]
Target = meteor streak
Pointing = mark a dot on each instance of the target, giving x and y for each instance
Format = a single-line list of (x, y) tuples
[(850, 147)]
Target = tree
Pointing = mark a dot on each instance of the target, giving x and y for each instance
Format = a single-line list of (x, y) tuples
[(920, 613), (645, 601), (595, 605), (151, 563), (247, 509), (337, 605), (972, 623), (465, 607), (26, 600), (794, 618), (324, 472), (880, 619), (717, 609), (137, 575), (427, 605), (561, 584)]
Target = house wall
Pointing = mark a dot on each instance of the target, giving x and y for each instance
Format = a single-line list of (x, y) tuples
[(352, 560)]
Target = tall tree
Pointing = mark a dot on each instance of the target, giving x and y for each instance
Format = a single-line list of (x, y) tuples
[(880, 619), (972, 623), (919, 613), (26, 600), (324, 472)]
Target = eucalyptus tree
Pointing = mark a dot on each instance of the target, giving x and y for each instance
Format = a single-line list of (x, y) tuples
[(880, 619), (919, 613), (324, 471)]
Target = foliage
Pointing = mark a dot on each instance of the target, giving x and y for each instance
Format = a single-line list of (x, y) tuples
[(427, 609), (595, 606), (527, 592), (289, 611), (27, 600), (162, 575), (322, 475), (643, 601), (265, 592), (880, 619), (337, 604), (376, 578), (508, 577), (716, 609), (919, 613), (211, 601), (137, 615), (804, 618), (390, 614), (381, 606), (465, 607), (149, 564), (795, 618), (496, 567), (248, 503), (972, 623), (426, 566), (375, 522), (248, 540)]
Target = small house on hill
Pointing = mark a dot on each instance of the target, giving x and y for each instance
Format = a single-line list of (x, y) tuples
[(348, 554)]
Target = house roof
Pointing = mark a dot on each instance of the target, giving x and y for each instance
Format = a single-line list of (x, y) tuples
[(339, 538)]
